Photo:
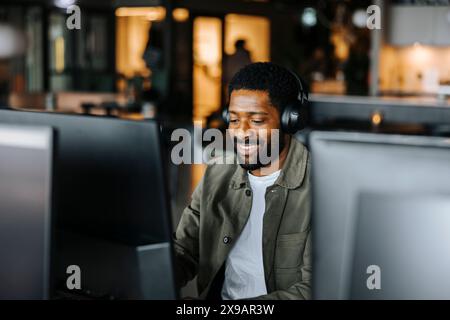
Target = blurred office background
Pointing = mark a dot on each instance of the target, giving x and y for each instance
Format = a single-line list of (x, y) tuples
[(171, 60)]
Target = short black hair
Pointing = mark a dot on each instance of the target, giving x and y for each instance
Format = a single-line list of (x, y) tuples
[(281, 85)]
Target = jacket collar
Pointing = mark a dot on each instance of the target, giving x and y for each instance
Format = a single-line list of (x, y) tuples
[(292, 173)]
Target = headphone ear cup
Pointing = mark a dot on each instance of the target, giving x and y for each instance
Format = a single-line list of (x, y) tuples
[(226, 116), (285, 119), (293, 117)]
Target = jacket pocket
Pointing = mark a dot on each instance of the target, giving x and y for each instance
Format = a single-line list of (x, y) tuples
[(289, 249), (285, 278)]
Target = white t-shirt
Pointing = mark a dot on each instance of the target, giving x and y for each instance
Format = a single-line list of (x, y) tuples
[(244, 268)]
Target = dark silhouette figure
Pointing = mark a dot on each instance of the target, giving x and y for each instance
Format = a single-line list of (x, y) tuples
[(234, 62)]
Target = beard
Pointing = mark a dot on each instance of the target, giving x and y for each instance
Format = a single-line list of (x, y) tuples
[(244, 161)]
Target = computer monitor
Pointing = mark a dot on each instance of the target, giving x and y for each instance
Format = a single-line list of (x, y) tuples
[(111, 210), (381, 215), (26, 158)]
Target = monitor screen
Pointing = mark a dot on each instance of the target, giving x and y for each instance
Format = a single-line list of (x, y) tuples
[(112, 215), (405, 237), (109, 173)]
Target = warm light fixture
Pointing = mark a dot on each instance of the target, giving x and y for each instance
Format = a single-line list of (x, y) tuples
[(419, 54), (149, 13), (376, 118), (59, 54), (180, 14)]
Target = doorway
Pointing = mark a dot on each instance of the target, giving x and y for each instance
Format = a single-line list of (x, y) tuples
[(214, 40)]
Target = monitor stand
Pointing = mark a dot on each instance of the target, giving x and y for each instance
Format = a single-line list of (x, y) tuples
[(111, 270)]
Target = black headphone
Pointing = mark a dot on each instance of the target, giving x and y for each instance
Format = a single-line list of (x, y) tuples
[(294, 114)]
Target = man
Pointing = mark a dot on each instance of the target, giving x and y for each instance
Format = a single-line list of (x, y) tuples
[(246, 233)]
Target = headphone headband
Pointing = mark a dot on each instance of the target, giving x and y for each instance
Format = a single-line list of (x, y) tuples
[(293, 115), (302, 94)]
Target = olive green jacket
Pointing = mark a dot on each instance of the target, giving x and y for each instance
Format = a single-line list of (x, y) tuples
[(219, 209)]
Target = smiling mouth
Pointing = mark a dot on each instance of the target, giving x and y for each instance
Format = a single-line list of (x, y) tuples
[(247, 149)]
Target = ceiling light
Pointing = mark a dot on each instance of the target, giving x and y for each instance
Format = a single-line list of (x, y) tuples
[(309, 17)]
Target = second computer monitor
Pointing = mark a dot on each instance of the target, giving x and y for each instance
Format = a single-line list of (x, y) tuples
[(381, 215), (26, 161)]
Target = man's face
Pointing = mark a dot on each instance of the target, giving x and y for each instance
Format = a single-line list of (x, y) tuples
[(252, 117)]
